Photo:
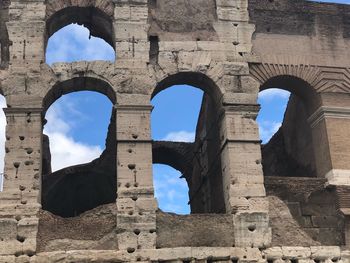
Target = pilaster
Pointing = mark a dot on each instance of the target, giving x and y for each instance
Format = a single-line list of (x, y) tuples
[(242, 173), (136, 203), (20, 200)]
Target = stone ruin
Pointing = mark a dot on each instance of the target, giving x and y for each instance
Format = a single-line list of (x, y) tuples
[(285, 201)]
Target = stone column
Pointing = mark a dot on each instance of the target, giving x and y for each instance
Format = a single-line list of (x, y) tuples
[(136, 219), (243, 180), (20, 200), (330, 126), (26, 29), (331, 132)]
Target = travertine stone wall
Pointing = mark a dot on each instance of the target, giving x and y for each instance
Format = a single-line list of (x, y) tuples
[(231, 49)]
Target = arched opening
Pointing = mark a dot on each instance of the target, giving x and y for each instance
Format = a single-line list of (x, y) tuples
[(79, 150), (2, 140), (289, 161), (79, 33), (186, 137), (287, 148)]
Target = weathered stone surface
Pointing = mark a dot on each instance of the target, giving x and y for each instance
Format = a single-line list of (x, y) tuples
[(249, 204)]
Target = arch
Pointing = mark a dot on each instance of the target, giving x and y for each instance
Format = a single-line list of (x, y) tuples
[(97, 18), (78, 84), (294, 85), (195, 79), (178, 155), (300, 80), (201, 166), (77, 188), (290, 152)]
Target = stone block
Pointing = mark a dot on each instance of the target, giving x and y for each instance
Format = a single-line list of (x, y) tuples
[(28, 227), (252, 230), (8, 228), (325, 252)]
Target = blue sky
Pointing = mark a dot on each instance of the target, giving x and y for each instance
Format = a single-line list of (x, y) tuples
[(174, 117)]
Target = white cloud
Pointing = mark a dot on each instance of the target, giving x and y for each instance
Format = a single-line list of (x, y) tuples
[(267, 129), (65, 151), (270, 94), (180, 136)]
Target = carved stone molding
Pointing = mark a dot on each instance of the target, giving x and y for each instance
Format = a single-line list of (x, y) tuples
[(322, 79)]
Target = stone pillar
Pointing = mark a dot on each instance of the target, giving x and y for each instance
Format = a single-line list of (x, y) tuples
[(26, 29), (331, 132), (243, 180), (20, 200), (136, 218), (330, 126), (131, 32)]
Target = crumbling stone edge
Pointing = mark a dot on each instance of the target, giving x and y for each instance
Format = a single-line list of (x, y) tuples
[(188, 254)]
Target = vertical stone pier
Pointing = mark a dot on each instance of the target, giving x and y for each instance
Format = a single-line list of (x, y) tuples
[(136, 218), (20, 200), (242, 173)]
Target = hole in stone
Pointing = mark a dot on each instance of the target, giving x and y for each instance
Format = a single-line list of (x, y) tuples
[(22, 188), (21, 138), (29, 150), (7, 150), (153, 231), (130, 213), (16, 164), (127, 185), (20, 238), (18, 254), (294, 261), (251, 228), (30, 253), (154, 50), (134, 198), (28, 163), (131, 250), (131, 166), (135, 136), (270, 261), (24, 202), (137, 231)]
